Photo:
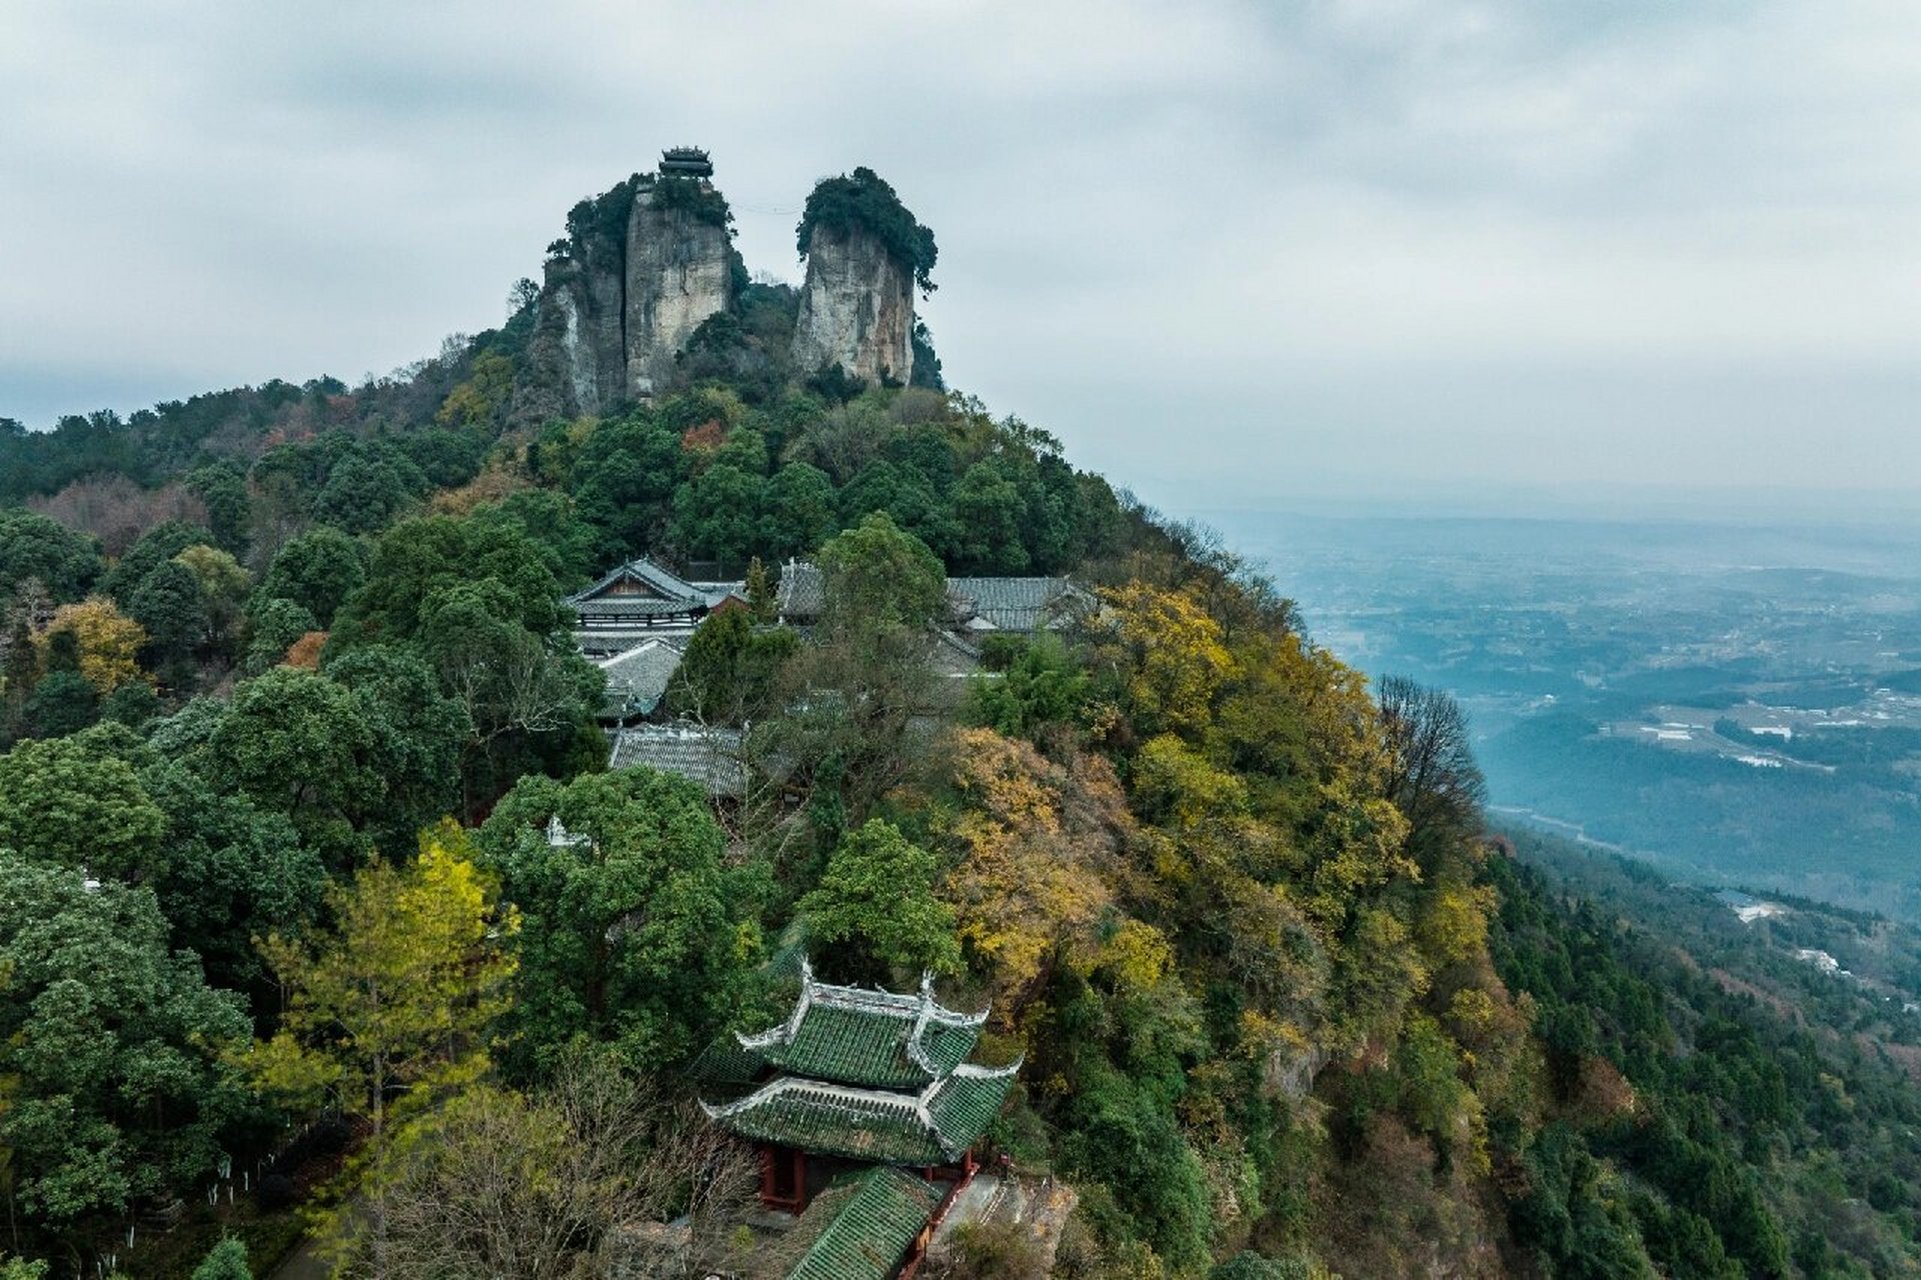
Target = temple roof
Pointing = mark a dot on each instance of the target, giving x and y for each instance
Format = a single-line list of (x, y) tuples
[(1017, 604), (705, 754), (932, 1127), (850, 1035), (801, 593), (859, 1228), (643, 588), (1023, 605), (637, 678), (866, 1074), (688, 161)]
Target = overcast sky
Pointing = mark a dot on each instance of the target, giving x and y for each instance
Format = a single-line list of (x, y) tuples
[(1233, 254)]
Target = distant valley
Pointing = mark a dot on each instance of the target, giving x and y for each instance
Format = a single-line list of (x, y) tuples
[(1740, 704)]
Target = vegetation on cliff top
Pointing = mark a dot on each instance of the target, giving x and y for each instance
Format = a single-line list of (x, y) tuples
[(863, 201)]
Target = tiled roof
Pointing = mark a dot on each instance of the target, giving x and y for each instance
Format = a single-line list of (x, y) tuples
[(801, 593), (847, 1035), (665, 585), (613, 639), (932, 1127), (637, 679), (1018, 604), (709, 756), (861, 1227)]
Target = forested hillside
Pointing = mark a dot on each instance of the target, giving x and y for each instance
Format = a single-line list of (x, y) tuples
[(321, 911)]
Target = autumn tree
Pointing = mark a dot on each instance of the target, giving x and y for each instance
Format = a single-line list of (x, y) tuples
[(1037, 846), (1163, 655), (388, 1010), (107, 642)]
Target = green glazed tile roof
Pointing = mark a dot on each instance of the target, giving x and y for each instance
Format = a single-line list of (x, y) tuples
[(859, 1229), (967, 1102), (929, 1128), (861, 1124), (877, 1038)]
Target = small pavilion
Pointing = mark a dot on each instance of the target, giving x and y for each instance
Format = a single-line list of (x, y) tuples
[(686, 162), (856, 1077)]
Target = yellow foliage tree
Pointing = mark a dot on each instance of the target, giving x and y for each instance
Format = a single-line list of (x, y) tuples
[(1038, 844), (387, 1010), (1166, 654), (478, 398), (107, 639)]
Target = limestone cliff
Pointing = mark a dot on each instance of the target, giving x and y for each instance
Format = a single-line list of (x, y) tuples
[(856, 308), (641, 268)]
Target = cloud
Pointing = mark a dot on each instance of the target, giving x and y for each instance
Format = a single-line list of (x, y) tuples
[(1382, 244)]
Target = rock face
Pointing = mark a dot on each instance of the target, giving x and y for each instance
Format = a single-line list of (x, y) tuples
[(634, 284), (679, 272), (856, 309)]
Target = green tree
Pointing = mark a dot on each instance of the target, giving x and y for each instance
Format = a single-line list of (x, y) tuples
[(71, 802), (801, 511), (317, 571), (62, 702), (988, 509), (111, 1047), (418, 731), (417, 559), (63, 562), (156, 547), (732, 672), (300, 745), (877, 901), (171, 607), (274, 625), (635, 933), (222, 490), (717, 515), (516, 690), (878, 579), (226, 1261), (228, 870), (363, 494)]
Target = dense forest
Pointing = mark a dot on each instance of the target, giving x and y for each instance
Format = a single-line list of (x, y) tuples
[(289, 699)]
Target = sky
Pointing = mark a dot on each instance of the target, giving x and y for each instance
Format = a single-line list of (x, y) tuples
[(1418, 254)]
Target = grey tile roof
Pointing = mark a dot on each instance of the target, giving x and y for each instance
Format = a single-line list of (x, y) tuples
[(637, 678), (975, 604), (660, 593), (801, 592), (1018, 604), (711, 757)]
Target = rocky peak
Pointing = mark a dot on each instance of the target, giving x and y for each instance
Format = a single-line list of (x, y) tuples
[(642, 266)]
